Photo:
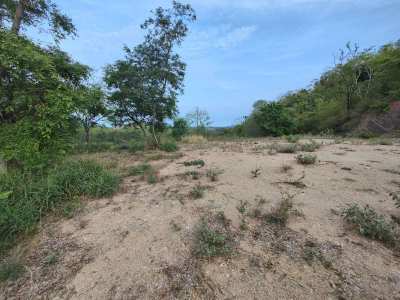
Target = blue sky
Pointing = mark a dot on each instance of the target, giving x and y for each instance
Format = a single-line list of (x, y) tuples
[(238, 51)]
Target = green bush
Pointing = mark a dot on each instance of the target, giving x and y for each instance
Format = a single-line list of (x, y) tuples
[(169, 146), (306, 159), (211, 243), (310, 146), (180, 128), (27, 197), (292, 138), (136, 146), (285, 148), (11, 270), (369, 224)]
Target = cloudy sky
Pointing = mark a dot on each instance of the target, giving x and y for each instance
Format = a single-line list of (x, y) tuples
[(238, 51)]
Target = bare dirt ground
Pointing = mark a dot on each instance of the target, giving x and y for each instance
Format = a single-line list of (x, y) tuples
[(139, 244)]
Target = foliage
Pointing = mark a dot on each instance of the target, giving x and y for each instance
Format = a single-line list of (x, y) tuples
[(369, 224), (31, 196), (311, 146), (197, 192), (38, 98), (136, 146), (280, 214), (180, 128), (169, 146), (141, 169), (34, 13), (285, 148), (306, 159), (211, 243), (144, 86), (91, 108), (273, 119), (11, 269), (197, 162), (194, 139)]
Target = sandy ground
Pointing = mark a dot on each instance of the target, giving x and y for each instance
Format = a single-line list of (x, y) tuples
[(139, 244)]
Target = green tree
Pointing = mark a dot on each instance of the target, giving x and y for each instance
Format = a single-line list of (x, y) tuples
[(34, 13), (180, 128), (91, 108), (273, 119), (145, 85), (36, 101)]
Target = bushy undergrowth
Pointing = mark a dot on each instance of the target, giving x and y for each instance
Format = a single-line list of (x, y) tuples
[(310, 146), (306, 159), (285, 148), (169, 146), (371, 225), (280, 214), (210, 242), (11, 270), (28, 197)]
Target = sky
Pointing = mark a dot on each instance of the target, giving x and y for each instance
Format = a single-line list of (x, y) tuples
[(238, 51)]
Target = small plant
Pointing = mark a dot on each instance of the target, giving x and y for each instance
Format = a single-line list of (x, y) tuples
[(213, 174), (169, 146), (242, 207), (243, 225), (371, 225), (194, 174), (197, 192), (136, 146), (197, 162), (292, 138), (285, 148), (210, 242), (152, 178), (396, 198), (306, 159), (310, 146), (139, 170), (286, 168), (11, 270), (51, 259), (256, 172), (382, 141), (280, 214)]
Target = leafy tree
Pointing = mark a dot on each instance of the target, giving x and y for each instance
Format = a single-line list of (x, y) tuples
[(25, 13), (91, 108), (145, 85), (180, 128), (199, 119), (273, 119), (36, 101)]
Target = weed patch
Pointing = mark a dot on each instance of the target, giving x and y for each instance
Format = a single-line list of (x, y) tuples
[(371, 225), (280, 214), (197, 162), (306, 159), (11, 270)]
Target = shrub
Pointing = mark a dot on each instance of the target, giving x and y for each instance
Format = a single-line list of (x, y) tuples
[(285, 148), (213, 174), (292, 138), (371, 225), (136, 146), (280, 214), (28, 197), (306, 159), (197, 192), (197, 162), (210, 242), (141, 169), (194, 139), (382, 141), (169, 146), (310, 146), (11, 270), (180, 128)]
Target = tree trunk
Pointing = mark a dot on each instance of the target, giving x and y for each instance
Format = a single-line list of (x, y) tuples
[(19, 13), (87, 134)]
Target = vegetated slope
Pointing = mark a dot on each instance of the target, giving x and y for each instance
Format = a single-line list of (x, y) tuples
[(264, 226)]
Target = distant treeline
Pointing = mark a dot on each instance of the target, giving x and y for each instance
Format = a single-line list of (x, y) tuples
[(361, 82)]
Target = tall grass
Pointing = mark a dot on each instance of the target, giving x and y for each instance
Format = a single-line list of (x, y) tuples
[(28, 197)]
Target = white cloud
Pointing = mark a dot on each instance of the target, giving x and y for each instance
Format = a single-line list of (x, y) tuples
[(235, 36)]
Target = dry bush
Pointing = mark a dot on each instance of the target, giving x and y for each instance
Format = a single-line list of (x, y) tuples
[(194, 139)]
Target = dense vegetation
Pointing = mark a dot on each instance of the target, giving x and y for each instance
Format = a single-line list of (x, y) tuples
[(48, 107), (360, 83)]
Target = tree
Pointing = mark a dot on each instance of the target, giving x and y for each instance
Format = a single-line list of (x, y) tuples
[(91, 108), (199, 119), (180, 128), (145, 85), (36, 101), (273, 119), (20, 13)]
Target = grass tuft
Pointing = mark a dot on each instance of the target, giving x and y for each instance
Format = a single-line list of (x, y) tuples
[(306, 159)]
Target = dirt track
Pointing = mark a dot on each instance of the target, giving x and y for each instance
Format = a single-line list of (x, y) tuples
[(138, 245)]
